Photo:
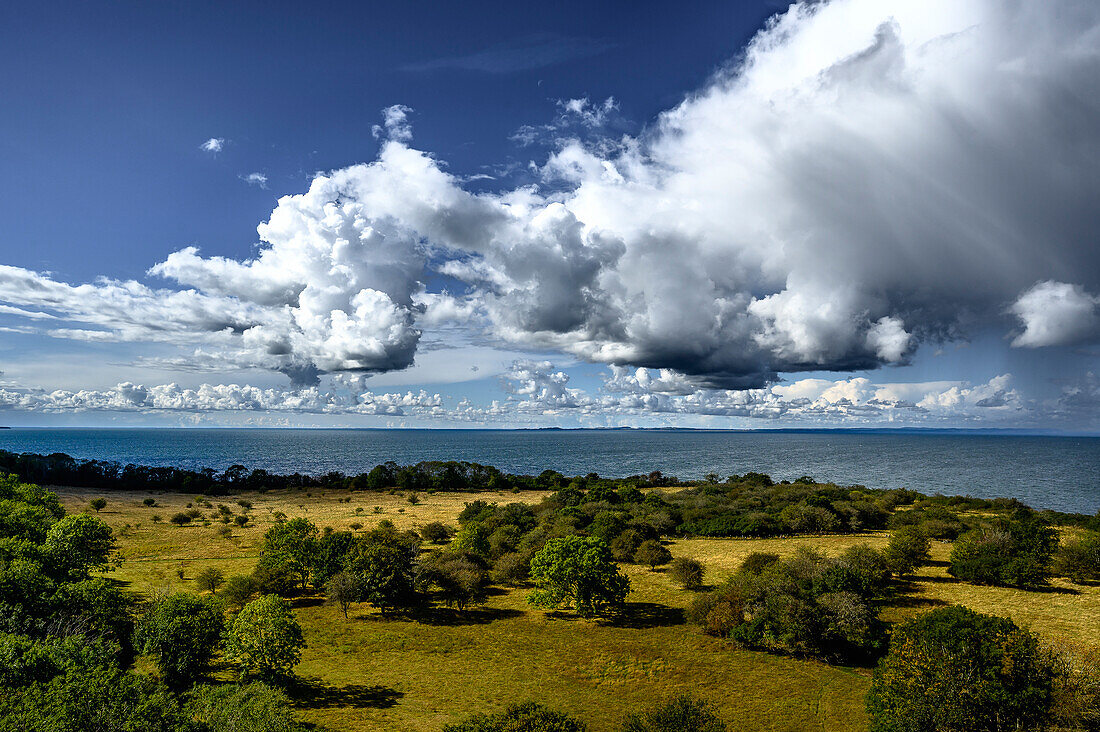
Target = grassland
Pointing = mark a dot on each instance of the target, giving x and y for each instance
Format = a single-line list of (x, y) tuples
[(367, 673)]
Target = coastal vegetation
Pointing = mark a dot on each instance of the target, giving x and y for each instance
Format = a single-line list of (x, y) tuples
[(352, 609)]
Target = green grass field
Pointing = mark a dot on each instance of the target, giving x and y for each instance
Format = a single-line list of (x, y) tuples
[(367, 673)]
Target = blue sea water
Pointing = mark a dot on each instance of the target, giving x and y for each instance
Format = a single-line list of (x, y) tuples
[(1061, 473)]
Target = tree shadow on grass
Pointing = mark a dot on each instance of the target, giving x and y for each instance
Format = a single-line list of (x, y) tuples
[(313, 693), (469, 616), (1042, 589), (646, 615)]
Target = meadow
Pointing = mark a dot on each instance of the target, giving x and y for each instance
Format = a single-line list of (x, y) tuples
[(370, 673)]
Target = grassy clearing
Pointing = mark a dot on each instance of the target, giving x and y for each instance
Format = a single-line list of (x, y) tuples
[(367, 673)]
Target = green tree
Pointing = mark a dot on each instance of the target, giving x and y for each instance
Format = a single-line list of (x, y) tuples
[(907, 549), (383, 566), (1014, 552), (688, 573), (652, 553), (526, 717), (293, 543), (435, 532), (682, 714), (98, 504), (77, 545), (1079, 558), (238, 590), (579, 571), (265, 639), (210, 579), (181, 632), (343, 589), (955, 669)]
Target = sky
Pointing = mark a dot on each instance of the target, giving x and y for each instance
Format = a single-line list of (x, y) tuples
[(840, 213)]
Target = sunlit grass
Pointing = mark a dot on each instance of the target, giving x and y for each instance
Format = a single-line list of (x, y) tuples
[(367, 673)]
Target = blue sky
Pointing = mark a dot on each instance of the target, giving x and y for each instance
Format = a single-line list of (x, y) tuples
[(499, 214)]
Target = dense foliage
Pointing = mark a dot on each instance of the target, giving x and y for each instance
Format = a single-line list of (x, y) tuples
[(526, 717), (1015, 552), (579, 572), (682, 714), (808, 604), (956, 669)]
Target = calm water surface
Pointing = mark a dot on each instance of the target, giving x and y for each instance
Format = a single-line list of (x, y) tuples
[(1048, 472)]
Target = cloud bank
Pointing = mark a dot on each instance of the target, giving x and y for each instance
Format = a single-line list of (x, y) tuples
[(869, 176)]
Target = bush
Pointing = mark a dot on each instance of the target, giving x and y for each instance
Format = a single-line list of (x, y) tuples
[(98, 504), (343, 589), (436, 532), (682, 714), (1079, 558), (526, 717), (625, 545), (757, 562), (955, 669), (238, 590), (461, 579), (150, 502), (512, 569), (251, 707), (652, 553), (688, 573), (1012, 553), (180, 519)]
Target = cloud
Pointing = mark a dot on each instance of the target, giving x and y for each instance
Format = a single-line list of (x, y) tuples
[(522, 54), (574, 115), (869, 176), (213, 145), (395, 124), (1056, 314), (255, 179)]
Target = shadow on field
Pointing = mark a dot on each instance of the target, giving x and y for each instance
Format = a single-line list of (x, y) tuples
[(469, 616), (1048, 590), (313, 693), (646, 615)]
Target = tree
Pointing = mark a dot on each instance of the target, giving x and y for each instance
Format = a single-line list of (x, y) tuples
[(682, 714), (98, 504), (462, 579), (579, 571), (1013, 552), (1079, 558), (78, 544), (343, 589), (180, 519), (907, 549), (652, 553), (238, 590), (955, 669), (210, 579), (264, 638), (292, 543), (182, 632), (526, 717), (688, 573), (382, 564)]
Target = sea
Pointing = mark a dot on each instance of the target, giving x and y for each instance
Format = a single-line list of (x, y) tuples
[(1053, 472)]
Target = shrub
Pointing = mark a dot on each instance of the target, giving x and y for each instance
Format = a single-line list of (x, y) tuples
[(180, 519), (682, 714), (1079, 558), (435, 532), (156, 518), (1013, 553), (224, 532), (512, 569), (413, 498), (625, 545), (229, 708), (150, 502), (343, 589), (526, 717), (757, 562), (955, 669), (355, 525), (244, 503), (265, 638), (652, 553), (98, 504), (688, 573), (240, 520), (462, 579)]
